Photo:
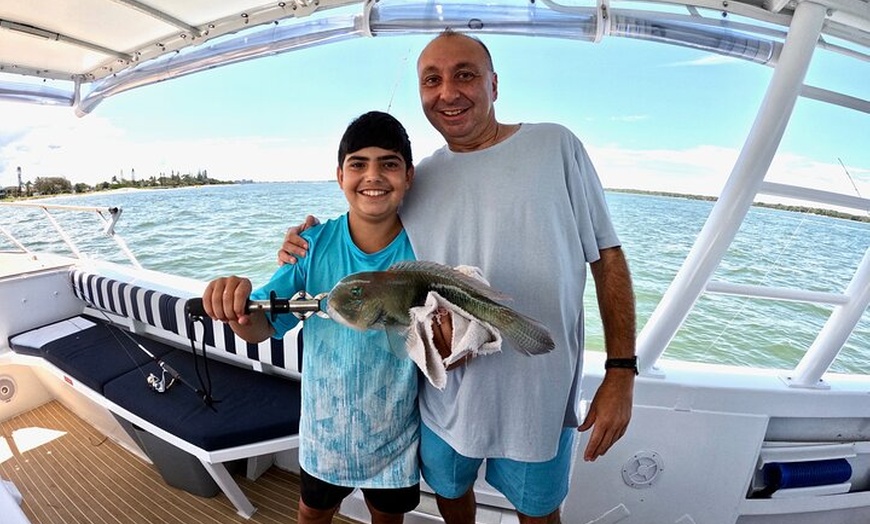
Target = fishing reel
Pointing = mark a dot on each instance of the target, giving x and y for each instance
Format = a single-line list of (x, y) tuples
[(159, 384)]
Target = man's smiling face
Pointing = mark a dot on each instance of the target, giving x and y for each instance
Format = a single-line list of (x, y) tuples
[(457, 91)]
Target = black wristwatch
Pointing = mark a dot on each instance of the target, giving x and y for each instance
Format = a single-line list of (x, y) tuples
[(625, 363)]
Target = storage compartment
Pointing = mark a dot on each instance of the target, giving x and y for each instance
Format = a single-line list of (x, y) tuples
[(790, 469), (178, 468)]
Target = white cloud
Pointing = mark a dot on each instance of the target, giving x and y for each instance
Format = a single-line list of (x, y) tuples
[(703, 170), (53, 142), (700, 170), (256, 158), (707, 60), (628, 118)]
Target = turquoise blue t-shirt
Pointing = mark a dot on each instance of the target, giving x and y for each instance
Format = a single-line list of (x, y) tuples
[(360, 421)]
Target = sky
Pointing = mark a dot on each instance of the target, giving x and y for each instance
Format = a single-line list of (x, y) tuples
[(651, 116)]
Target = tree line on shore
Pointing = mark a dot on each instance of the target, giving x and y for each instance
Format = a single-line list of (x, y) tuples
[(43, 186), (784, 207)]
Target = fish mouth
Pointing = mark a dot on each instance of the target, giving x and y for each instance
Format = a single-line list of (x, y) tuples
[(335, 315)]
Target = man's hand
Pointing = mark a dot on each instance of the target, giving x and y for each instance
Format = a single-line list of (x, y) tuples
[(442, 336), (294, 245), (609, 412)]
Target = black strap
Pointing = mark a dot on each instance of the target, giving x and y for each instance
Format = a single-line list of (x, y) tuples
[(624, 363)]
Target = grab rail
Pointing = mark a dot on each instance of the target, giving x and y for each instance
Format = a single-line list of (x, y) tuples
[(836, 330), (806, 194), (743, 184), (109, 216)]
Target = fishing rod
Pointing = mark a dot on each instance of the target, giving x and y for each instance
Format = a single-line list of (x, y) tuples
[(302, 305), (160, 385)]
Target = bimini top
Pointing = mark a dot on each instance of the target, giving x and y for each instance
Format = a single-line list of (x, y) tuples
[(82, 52)]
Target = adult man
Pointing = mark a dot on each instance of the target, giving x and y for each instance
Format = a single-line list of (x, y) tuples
[(523, 203)]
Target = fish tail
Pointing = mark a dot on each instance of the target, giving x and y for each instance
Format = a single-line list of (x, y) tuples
[(528, 336)]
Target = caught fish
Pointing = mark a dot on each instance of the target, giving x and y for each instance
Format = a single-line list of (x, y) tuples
[(382, 299)]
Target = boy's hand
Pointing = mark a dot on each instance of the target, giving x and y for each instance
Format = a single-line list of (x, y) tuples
[(226, 298), (294, 245)]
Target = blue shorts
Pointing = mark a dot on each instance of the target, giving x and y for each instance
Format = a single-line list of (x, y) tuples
[(535, 489)]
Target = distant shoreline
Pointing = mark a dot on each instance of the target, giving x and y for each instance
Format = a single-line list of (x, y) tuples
[(797, 209), (116, 191), (783, 207)]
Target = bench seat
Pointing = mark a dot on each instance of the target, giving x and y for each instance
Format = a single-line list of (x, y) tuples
[(252, 408), (88, 349)]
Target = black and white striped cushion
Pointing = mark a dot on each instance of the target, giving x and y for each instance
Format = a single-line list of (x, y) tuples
[(166, 312)]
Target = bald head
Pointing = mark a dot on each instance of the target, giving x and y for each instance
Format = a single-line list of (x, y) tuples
[(449, 33)]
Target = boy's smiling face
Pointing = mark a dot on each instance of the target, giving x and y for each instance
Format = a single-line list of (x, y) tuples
[(374, 181)]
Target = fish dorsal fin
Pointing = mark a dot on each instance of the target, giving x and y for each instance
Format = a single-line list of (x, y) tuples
[(448, 272)]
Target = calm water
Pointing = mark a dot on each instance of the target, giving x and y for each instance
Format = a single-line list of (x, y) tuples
[(207, 232)]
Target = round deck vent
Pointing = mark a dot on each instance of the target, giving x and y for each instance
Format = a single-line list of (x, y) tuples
[(7, 388), (643, 469)]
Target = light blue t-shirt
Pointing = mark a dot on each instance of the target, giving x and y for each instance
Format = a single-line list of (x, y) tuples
[(360, 421), (530, 212)]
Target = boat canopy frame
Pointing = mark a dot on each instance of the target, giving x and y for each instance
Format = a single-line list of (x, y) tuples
[(278, 27)]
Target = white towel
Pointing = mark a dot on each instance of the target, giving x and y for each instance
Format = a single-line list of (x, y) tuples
[(470, 335)]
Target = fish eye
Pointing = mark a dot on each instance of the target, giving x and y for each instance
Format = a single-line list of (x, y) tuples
[(356, 292)]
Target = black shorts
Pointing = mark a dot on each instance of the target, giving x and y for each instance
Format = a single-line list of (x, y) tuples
[(318, 494)]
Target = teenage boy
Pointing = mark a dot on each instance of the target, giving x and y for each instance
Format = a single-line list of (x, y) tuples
[(360, 422)]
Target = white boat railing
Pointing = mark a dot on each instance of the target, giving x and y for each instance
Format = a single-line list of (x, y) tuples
[(818, 196), (745, 182), (855, 203), (109, 217), (836, 330)]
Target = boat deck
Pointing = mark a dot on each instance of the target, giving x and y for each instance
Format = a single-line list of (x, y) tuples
[(15, 264), (67, 472)]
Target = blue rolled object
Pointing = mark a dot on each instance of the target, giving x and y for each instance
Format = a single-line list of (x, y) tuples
[(784, 475)]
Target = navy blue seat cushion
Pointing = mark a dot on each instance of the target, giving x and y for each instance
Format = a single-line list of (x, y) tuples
[(33, 341), (93, 355), (252, 406)]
